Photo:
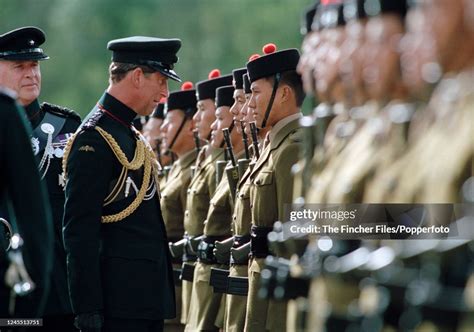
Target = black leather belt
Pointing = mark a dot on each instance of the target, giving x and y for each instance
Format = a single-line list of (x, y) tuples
[(219, 280), (187, 273), (259, 242), (238, 286)]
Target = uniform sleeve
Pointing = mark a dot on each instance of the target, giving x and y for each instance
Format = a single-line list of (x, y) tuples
[(89, 169), (287, 158), (30, 206)]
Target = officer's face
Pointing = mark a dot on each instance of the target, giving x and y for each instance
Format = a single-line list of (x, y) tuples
[(204, 116), (152, 132), (382, 58), (153, 88), (239, 101), (23, 77), (258, 103), (223, 120), (170, 127)]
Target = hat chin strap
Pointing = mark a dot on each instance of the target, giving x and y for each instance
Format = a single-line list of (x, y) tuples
[(272, 99), (181, 126)]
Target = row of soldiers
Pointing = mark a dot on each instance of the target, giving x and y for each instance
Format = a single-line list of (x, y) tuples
[(392, 85)]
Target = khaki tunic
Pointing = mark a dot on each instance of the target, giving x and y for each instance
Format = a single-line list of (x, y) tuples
[(200, 191), (235, 305), (205, 304), (173, 205), (173, 196), (269, 194)]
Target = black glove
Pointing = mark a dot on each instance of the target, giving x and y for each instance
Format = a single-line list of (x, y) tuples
[(89, 322)]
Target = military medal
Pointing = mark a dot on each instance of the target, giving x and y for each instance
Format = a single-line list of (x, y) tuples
[(35, 145)]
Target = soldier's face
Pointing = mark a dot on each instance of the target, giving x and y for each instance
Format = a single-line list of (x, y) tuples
[(170, 127), (239, 101), (445, 25), (152, 132), (23, 77), (204, 116), (382, 57), (154, 87), (305, 65), (258, 103), (223, 120), (246, 116), (418, 61), (352, 57)]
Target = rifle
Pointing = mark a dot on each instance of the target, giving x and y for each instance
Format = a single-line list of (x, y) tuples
[(253, 131)]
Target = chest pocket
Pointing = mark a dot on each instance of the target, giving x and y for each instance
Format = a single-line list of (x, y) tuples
[(264, 203)]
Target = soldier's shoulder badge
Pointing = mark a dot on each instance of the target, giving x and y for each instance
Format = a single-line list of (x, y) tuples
[(60, 111)]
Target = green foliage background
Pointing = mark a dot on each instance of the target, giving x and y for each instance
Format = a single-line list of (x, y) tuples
[(215, 34)]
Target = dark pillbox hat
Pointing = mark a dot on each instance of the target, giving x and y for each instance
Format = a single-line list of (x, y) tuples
[(225, 96), (272, 63), (207, 89), (237, 74), (159, 111), (156, 53), (245, 78), (183, 100)]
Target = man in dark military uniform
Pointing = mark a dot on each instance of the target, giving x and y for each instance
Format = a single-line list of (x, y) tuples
[(52, 125), (119, 268), (22, 191)]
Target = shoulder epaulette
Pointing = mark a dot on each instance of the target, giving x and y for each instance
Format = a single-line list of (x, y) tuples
[(60, 111), (91, 123), (7, 94)]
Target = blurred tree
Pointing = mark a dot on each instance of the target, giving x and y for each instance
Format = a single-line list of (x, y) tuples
[(215, 33)]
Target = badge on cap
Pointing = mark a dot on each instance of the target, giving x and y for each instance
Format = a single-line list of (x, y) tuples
[(47, 128)]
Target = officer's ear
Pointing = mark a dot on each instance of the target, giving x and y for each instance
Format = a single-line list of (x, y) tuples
[(136, 77)]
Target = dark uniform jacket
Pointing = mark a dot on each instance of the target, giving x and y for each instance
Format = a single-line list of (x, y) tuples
[(66, 123), (21, 189), (122, 268)]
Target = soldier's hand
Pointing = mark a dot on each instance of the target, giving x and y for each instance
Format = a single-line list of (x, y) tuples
[(89, 322)]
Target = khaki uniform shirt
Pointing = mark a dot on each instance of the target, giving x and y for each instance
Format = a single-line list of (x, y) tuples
[(173, 196), (200, 191), (270, 183)]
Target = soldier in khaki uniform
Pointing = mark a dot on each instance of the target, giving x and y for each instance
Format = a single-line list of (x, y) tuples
[(277, 95), (236, 305), (205, 303), (203, 183), (178, 138)]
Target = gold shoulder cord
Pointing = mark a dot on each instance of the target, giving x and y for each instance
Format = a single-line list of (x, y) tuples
[(143, 157)]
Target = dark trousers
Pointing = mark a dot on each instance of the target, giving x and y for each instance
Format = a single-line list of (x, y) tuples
[(132, 325)]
